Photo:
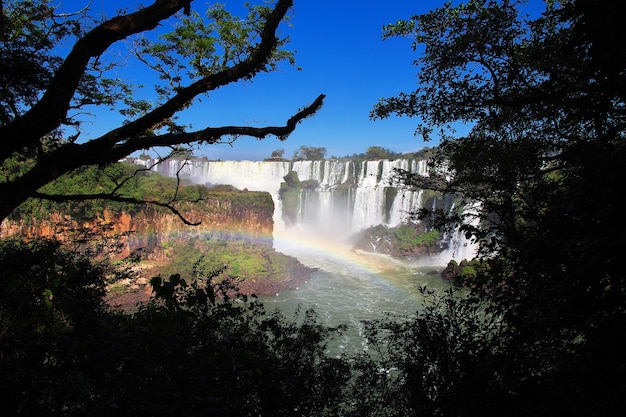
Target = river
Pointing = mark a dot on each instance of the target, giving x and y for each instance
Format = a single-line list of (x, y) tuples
[(353, 286)]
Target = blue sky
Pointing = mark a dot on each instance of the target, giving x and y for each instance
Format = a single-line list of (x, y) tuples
[(342, 55)]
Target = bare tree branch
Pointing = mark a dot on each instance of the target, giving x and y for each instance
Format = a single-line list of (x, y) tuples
[(51, 110), (120, 199), (74, 13), (29, 130)]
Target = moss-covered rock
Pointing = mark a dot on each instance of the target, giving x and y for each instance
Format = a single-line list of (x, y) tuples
[(290, 193), (404, 240)]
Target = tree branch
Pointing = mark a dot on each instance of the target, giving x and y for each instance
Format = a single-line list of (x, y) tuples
[(52, 109), (212, 135), (245, 70), (27, 131), (72, 155), (118, 198), (101, 152)]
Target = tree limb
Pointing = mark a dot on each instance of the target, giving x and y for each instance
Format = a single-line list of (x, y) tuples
[(72, 155), (118, 198), (247, 69), (28, 131), (51, 110)]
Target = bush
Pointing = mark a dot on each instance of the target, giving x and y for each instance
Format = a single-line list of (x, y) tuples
[(185, 353)]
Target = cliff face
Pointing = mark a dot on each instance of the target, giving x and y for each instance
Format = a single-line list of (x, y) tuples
[(225, 217), (236, 215), (242, 220)]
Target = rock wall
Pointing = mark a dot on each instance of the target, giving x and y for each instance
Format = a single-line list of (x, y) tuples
[(237, 215)]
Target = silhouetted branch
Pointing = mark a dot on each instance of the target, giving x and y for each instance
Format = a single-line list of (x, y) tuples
[(118, 198)]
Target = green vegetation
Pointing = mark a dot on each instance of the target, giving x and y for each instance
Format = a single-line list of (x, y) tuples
[(467, 273), (240, 259), (291, 195), (378, 152), (199, 348), (372, 153), (277, 156), (538, 329), (48, 93), (310, 153), (142, 185), (131, 182), (403, 240), (536, 175)]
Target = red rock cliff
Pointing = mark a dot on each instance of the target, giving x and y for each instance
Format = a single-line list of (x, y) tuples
[(239, 215)]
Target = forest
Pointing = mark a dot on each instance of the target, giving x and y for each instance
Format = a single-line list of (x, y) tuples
[(537, 328)]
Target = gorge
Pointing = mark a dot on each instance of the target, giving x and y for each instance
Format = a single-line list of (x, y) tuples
[(284, 229), (334, 199), (306, 210), (342, 196), (318, 206)]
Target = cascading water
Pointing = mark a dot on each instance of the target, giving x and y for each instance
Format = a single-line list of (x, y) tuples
[(348, 196), (341, 197), (460, 247)]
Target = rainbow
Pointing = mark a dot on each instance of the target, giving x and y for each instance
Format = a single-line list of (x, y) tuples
[(304, 246), (338, 258), (330, 255)]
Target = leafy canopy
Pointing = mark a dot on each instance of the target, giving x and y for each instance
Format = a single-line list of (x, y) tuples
[(47, 95), (313, 153), (544, 99)]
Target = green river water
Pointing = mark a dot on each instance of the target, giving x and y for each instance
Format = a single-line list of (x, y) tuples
[(350, 287)]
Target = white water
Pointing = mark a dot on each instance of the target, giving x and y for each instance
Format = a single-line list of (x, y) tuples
[(367, 183), (350, 197), (350, 286)]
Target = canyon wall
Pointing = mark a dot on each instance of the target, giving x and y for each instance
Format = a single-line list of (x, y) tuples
[(343, 196), (237, 215)]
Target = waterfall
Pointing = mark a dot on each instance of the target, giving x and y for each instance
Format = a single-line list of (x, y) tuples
[(350, 196), (459, 247)]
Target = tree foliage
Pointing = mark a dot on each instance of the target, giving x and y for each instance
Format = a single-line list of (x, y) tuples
[(44, 95), (539, 331), (197, 349), (311, 153), (278, 153), (378, 152), (544, 96), (86, 192)]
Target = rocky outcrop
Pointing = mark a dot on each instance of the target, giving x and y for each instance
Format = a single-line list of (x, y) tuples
[(400, 241), (149, 231), (299, 274), (237, 215)]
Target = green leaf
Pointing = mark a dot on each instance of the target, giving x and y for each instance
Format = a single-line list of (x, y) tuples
[(155, 282)]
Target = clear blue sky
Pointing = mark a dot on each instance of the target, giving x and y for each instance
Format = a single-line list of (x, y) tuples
[(342, 55)]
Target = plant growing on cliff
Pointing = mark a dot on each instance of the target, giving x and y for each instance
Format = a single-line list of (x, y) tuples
[(401, 240), (135, 188), (258, 269), (132, 186), (44, 95)]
